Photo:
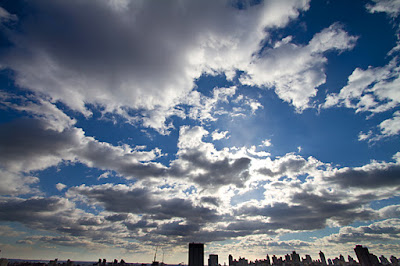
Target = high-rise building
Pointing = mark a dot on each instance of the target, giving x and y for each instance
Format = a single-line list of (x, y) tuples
[(230, 259), (322, 257), (384, 260), (295, 257), (196, 254), (213, 260), (363, 255), (268, 260)]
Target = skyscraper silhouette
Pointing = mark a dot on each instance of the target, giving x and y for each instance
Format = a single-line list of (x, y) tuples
[(363, 255), (196, 254), (213, 260), (322, 256)]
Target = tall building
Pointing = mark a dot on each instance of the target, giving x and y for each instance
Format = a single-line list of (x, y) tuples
[(295, 257), (213, 260), (196, 254), (363, 255), (268, 260), (230, 258), (322, 257)]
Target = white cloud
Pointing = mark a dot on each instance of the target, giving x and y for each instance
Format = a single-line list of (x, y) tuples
[(136, 55), (295, 71), (217, 135), (266, 143), (373, 90), (60, 186), (53, 117), (391, 7), (5, 16), (16, 183), (391, 127)]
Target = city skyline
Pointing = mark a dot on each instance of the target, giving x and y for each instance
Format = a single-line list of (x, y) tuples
[(254, 126)]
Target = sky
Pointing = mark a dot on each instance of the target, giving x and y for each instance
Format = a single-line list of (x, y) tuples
[(255, 127)]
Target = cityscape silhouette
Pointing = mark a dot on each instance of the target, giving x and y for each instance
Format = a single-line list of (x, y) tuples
[(196, 258)]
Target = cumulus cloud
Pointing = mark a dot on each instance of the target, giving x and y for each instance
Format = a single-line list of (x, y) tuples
[(391, 7), (383, 230), (374, 89), (205, 165), (370, 176), (125, 199), (143, 56), (17, 183), (30, 145), (60, 186), (5, 16), (296, 71), (217, 135)]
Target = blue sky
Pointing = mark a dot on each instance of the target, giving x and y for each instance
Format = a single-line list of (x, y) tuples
[(253, 126)]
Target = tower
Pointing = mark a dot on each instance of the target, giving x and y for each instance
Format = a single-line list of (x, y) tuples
[(213, 260), (363, 255), (196, 254), (322, 257)]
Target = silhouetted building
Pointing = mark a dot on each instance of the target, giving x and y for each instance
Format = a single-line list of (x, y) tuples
[(295, 257), (242, 262), (374, 259), (384, 260), (363, 255), (196, 254), (394, 260), (351, 260), (268, 260), (322, 257), (230, 259), (213, 260), (307, 259)]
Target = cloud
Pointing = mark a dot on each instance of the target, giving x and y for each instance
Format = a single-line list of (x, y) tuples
[(290, 165), (374, 89), (371, 176), (60, 186), (295, 71), (5, 16), (391, 127), (141, 201), (371, 90), (385, 230), (39, 108), (139, 56), (391, 7), (29, 145), (217, 135), (202, 163), (17, 183)]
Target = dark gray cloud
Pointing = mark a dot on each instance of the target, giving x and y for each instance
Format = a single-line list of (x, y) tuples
[(385, 230), (133, 55), (27, 145), (308, 211), (122, 199), (221, 172), (212, 200), (370, 177)]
